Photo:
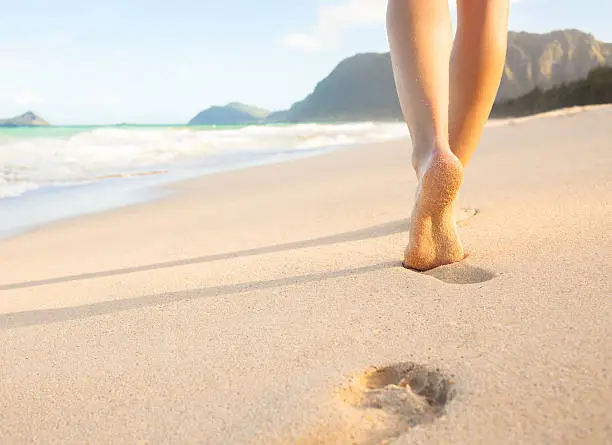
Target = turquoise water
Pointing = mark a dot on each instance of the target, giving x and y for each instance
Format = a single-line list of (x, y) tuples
[(51, 173), (64, 132)]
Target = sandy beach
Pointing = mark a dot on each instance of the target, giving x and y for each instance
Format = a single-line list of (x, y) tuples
[(237, 310)]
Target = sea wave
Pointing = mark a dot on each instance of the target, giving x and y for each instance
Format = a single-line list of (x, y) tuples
[(29, 161)]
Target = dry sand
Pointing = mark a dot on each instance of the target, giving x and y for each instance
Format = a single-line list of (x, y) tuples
[(248, 307)]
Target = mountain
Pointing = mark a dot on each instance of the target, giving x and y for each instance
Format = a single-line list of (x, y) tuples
[(595, 89), (362, 87), (359, 88), (545, 60), (28, 119), (258, 113), (234, 113)]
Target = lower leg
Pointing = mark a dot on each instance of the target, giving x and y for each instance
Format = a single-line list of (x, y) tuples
[(420, 38), (477, 62)]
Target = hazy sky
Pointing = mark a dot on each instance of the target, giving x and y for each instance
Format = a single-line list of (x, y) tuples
[(159, 61)]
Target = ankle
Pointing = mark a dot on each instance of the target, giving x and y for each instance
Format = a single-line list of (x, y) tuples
[(422, 155)]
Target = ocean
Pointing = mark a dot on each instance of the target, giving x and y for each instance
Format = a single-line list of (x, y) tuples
[(53, 173)]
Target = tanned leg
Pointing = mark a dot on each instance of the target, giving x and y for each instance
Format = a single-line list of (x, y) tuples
[(445, 114), (477, 63), (420, 37)]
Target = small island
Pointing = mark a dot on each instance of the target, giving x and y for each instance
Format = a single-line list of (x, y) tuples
[(234, 113), (28, 119)]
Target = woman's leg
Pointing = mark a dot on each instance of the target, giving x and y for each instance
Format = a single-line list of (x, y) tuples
[(420, 37), (477, 61)]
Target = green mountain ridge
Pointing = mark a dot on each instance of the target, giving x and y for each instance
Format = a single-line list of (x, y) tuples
[(359, 88), (595, 89), (545, 60), (362, 88)]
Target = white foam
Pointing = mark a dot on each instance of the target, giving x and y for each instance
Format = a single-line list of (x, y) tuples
[(28, 163)]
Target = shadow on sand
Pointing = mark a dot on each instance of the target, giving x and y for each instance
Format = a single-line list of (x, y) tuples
[(357, 235), (460, 273)]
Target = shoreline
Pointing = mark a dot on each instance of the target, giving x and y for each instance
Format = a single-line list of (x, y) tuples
[(122, 193), (30, 211)]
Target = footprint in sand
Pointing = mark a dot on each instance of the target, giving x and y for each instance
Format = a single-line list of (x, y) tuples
[(461, 273), (386, 402), (463, 214), (381, 404)]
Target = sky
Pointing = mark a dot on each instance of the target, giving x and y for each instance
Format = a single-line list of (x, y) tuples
[(153, 61)]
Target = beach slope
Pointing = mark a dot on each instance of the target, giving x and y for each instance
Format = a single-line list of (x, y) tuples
[(237, 310)]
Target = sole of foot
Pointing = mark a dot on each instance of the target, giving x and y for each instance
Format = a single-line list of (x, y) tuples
[(434, 240)]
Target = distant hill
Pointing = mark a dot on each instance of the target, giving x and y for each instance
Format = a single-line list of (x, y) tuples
[(234, 113), (545, 60), (595, 89), (362, 87), (359, 88), (28, 119)]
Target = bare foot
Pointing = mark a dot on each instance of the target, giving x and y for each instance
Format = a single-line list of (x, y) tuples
[(434, 240)]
